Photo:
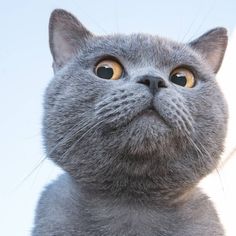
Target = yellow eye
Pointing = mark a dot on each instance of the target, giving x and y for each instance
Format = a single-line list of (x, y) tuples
[(109, 69), (182, 77)]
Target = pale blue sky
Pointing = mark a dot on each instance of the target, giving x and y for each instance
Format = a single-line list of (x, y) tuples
[(25, 70)]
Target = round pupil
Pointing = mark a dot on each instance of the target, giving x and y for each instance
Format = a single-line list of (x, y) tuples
[(179, 79), (105, 72)]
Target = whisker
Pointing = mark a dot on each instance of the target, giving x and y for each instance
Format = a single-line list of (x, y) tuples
[(29, 174), (217, 171), (220, 179), (66, 138), (91, 19), (116, 7), (208, 156), (228, 157), (205, 17), (199, 151), (191, 25), (77, 141)]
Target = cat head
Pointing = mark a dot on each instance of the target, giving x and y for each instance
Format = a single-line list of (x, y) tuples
[(134, 107)]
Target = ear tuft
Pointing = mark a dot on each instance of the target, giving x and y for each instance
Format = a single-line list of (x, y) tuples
[(212, 46), (66, 36)]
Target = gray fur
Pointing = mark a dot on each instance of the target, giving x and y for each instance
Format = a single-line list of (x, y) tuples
[(132, 156)]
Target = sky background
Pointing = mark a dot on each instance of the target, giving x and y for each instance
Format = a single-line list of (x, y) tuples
[(25, 70)]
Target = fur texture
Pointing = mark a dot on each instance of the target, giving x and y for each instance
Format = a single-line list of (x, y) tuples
[(132, 153)]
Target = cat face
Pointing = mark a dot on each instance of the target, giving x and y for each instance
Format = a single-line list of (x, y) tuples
[(133, 105)]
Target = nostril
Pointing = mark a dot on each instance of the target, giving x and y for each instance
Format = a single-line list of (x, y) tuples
[(154, 83), (145, 82), (161, 84)]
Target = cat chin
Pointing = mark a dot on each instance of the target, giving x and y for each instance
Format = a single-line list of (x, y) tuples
[(146, 134)]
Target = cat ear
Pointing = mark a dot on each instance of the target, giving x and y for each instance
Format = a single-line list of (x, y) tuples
[(66, 36), (212, 46)]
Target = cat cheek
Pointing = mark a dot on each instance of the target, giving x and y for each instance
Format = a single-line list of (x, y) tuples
[(120, 106), (173, 109)]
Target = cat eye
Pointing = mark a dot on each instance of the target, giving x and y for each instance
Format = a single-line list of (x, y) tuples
[(182, 77), (109, 69)]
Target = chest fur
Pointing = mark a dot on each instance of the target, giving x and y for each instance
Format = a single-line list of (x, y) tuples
[(126, 220)]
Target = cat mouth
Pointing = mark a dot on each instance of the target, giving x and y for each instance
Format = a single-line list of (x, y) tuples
[(150, 113), (145, 116)]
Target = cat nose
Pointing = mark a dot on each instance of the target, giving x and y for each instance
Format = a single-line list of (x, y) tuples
[(154, 83)]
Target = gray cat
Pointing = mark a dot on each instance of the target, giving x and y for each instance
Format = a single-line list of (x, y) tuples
[(136, 121)]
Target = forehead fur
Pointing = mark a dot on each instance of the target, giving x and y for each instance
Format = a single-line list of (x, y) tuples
[(140, 49)]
